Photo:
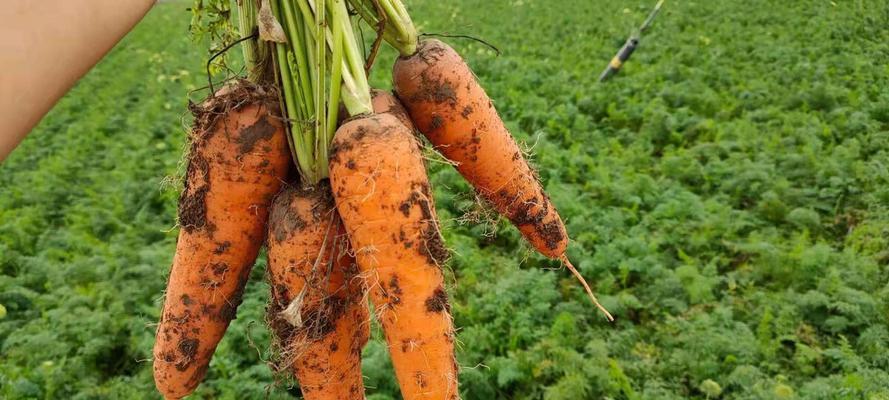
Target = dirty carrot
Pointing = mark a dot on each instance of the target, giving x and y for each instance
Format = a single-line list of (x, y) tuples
[(453, 111), (318, 310), (237, 161), (383, 195), (447, 104)]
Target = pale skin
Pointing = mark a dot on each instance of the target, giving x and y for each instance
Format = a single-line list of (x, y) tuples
[(45, 47)]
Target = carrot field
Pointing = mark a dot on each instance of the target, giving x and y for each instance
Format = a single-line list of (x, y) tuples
[(727, 197)]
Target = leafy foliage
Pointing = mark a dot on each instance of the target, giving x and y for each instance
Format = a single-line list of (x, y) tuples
[(212, 23), (727, 196)]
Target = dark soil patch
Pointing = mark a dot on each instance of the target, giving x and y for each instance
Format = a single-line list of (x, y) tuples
[(431, 51), (444, 93), (438, 91), (438, 301), (236, 95), (322, 318), (338, 147), (420, 378), (260, 130), (208, 310), (193, 201), (467, 111), (219, 268), (188, 347), (420, 195), (407, 204), (525, 213), (433, 247), (221, 248), (534, 213), (437, 122), (322, 200), (553, 234), (359, 133), (395, 291), (283, 220), (284, 332)]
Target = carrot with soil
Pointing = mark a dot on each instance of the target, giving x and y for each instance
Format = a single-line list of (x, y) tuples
[(318, 310), (452, 110), (383, 195), (448, 105), (237, 161), (420, 340)]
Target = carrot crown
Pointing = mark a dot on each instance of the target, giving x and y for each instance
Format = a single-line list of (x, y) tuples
[(319, 64), (309, 49)]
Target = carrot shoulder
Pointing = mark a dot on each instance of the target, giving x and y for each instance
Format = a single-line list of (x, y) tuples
[(318, 310), (386, 103), (237, 160), (383, 195)]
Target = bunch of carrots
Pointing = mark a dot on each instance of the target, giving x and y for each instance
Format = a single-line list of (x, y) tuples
[(354, 219)]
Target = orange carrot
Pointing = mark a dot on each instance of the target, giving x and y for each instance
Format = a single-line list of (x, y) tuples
[(318, 310), (382, 193), (452, 110), (448, 105), (238, 158)]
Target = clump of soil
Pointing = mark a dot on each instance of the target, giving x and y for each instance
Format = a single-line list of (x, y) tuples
[(188, 347), (438, 301), (193, 200), (282, 222), (433, 247)]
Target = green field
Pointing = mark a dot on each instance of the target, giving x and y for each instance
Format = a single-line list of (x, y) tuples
[(727, 195)]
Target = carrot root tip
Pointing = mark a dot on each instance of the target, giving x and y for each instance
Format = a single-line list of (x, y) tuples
[(586, 286)]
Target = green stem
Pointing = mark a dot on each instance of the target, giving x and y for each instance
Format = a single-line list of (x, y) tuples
[(320, 65), (320, 132), (298, 44), (289, 108), (246, 25), (336, 80), (257, 54), (355, 88), (399, 30), (297, 90)]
